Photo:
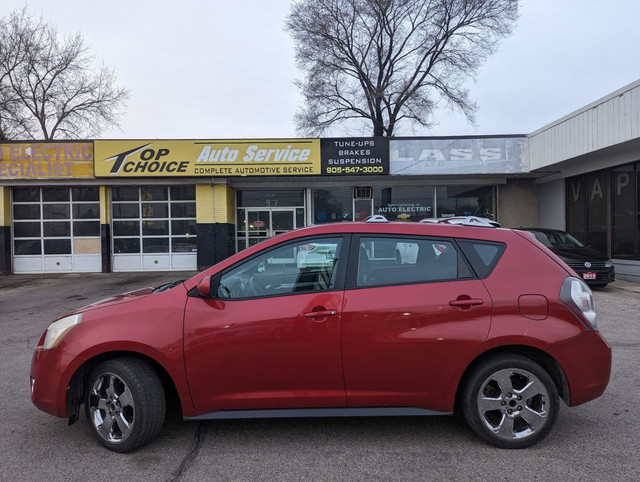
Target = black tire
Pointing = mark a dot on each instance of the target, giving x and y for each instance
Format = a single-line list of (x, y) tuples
[(124, 403), (510, 401)]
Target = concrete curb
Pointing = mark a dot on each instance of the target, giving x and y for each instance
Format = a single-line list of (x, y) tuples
[(625, 285)]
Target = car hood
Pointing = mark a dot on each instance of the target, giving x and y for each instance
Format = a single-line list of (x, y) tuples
[(579, 254), (117, 299)]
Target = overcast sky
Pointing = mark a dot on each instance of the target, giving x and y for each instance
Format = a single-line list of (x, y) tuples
[(225, 69)]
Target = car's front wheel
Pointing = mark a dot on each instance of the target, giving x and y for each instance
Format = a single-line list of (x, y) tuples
[(125, 403), (510, 401)]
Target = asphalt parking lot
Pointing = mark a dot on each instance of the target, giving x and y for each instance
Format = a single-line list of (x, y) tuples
[(596, 441)]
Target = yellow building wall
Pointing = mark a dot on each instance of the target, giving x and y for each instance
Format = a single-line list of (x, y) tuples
[(215, 204), (5, 206)]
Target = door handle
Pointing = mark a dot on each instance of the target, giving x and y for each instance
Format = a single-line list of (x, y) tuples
[(320, 314), (466, 303)]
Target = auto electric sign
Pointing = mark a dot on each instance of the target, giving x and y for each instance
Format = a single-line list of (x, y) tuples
[(46, 160), (264, 157), (355, 156)]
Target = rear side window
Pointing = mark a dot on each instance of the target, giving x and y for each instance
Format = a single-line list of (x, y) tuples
[(482, 255), (401, 260)]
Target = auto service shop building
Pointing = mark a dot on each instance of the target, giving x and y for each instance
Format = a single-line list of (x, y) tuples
[(137, 205)]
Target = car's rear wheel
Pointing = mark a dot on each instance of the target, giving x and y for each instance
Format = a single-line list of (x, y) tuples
[(125, 403), (510, 401)]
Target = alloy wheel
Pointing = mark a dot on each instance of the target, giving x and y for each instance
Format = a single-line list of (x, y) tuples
[(513, 403), (111, 408)]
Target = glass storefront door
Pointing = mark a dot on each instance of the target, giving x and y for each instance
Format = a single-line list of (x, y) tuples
[(264, 214), (258, 224)]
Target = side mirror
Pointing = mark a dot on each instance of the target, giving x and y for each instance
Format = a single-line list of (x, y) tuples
[(204, 287)]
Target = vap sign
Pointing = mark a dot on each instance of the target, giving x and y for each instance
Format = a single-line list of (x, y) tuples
[(278, 157)]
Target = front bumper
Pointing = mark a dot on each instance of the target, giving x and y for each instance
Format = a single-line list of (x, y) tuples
[(51, 372), (603, 275)]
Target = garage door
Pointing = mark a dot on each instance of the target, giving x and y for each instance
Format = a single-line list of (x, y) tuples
[(56, 229), (153, 228)]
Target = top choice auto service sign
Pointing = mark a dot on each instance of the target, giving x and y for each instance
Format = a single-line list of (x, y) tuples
[(158, 158)]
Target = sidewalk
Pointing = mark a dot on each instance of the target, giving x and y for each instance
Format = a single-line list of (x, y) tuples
[(625, 285)]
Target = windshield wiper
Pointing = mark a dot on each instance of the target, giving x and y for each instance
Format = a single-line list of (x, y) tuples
[(167, 286)]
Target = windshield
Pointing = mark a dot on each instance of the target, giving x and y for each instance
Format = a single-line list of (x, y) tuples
[(558, 239)]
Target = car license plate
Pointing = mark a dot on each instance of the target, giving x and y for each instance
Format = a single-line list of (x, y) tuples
[(588, 276)]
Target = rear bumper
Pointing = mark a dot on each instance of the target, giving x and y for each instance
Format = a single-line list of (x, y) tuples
[(586, 360)]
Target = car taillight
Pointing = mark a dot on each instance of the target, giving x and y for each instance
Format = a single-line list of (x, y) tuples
[(579, 299)]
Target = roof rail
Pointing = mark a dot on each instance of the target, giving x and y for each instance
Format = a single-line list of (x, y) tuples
[(469, 221), (376, 218)]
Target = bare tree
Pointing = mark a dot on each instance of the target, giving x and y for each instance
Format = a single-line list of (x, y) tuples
[(50, 87), (384, 61)]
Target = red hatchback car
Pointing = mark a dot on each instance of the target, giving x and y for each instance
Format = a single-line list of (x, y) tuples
[(327, 321)]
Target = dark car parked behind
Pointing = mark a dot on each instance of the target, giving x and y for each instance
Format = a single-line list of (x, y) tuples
[(594, 268)]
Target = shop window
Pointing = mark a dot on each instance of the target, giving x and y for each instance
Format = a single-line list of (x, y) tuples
[(270, 199), (404, 203), (362, 209), (466, 201), (332, 205), (624, 192), (597, 194), (577, 207)]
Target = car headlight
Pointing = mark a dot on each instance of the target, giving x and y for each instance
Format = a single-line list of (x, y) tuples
[(608, 264), (59, 329)]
